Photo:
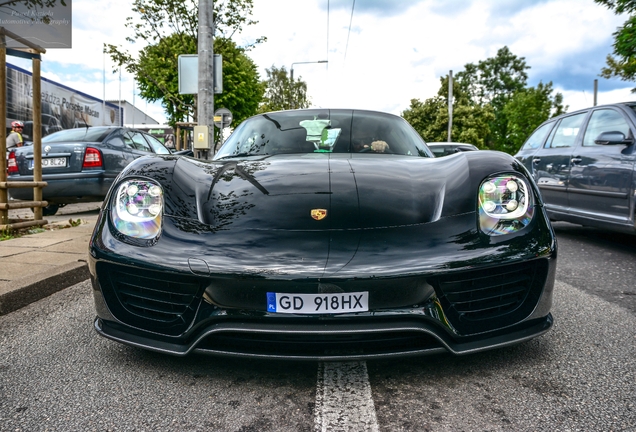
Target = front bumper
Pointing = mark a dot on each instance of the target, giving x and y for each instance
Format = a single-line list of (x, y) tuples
[(334, 342), (67, 188), (153, 319)]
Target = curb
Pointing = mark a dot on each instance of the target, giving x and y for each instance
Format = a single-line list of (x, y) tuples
[(30, 289)]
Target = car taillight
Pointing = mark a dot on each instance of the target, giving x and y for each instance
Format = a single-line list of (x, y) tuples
[(12, 166), (92, 158)]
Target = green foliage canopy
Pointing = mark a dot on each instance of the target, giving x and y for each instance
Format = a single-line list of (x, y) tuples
[(622, 63), (526, 110), (169, 28), (492, 106), (157, 75), (281, 94), (430, 118)]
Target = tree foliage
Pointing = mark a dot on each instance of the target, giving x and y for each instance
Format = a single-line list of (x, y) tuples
[(169, 28), (157, 76), (622, 64), (430, 118), (492, 106), (281, 94), (619, 6), (494, 81), (526, 110)]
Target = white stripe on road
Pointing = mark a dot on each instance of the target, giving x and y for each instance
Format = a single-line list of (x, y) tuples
[(343, 398)]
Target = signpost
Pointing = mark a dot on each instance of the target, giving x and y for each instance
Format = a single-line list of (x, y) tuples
[(222, 118)]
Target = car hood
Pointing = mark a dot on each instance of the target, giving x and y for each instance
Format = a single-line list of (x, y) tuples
[(255, 215), (351, 193)]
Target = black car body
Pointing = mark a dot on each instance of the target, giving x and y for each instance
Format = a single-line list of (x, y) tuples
[(584, 163), (440, 149), (80, 164), (290, 245)]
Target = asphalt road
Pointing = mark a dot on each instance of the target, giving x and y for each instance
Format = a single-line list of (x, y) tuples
[(56, 373), (599, 262)]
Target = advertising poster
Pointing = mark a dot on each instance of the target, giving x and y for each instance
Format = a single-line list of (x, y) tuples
[(62, 107)]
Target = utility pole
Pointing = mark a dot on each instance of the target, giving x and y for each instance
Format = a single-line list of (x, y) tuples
[(450, 105), (205, 95)]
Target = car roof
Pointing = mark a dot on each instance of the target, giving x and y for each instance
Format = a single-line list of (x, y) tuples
[(631, 105)]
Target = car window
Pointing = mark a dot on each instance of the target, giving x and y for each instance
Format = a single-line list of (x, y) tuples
[(156, 145), (604, 120), (538, 136), (324, 131), (439, 151), (566, 132), (135, 140), (78, 135)]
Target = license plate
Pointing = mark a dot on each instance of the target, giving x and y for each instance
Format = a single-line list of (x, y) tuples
[(53, 162), (317, 303)]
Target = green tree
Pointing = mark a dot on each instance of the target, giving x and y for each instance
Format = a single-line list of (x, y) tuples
[(168, 28), (494, 81), (622, 63), (157, 75), (430, 118), (280, 95), (492, 107), (526, 110)]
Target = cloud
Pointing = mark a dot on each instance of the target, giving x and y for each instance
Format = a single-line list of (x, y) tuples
[(382, 8), (390, 52)]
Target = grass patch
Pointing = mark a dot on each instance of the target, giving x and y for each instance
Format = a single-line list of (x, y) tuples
[(9, 234)]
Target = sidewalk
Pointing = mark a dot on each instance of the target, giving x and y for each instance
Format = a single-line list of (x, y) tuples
[(37, 265)]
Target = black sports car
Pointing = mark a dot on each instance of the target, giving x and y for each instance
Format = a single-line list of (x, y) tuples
[(323, 235)]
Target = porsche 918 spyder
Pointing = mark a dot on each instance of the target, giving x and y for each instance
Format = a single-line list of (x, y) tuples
[(323, 234)]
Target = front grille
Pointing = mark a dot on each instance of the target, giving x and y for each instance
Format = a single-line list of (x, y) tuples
[(483, 300), (153, 300)]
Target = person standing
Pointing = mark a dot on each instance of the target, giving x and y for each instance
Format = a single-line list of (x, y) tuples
[(15, 137)]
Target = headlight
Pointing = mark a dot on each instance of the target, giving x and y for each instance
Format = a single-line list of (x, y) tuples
[(137, 209), (505, 204)]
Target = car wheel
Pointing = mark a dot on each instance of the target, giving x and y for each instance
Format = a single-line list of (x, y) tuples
[(50, 210)]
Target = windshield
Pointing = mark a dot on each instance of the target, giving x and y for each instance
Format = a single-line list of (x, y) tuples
[(324, 131), (78, 135)]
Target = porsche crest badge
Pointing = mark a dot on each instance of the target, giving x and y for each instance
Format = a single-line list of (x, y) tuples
[(318, 214)]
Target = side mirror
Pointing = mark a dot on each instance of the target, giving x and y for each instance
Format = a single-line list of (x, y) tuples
[(613, 138)]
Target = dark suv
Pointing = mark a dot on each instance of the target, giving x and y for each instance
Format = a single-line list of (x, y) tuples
[(584, 163)]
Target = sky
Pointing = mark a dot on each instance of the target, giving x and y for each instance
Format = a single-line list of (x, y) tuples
[(380, 53)]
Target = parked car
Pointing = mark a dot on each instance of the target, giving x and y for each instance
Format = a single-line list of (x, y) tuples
[(447, 148), (80, 164), (49, 125), (583, 163), (323, 235)]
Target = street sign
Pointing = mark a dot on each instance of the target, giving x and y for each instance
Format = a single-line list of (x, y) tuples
[(188, 70), (222, 118)]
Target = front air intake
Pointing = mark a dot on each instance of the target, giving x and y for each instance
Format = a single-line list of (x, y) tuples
[(482, 300), (156, 301)]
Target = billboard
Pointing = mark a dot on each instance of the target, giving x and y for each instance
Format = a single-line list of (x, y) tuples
[(62, 107)]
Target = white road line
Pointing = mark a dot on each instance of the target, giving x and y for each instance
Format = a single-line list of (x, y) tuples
[(343, 398)]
